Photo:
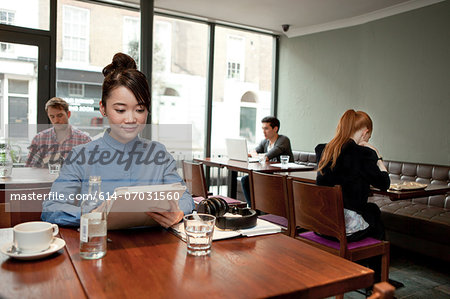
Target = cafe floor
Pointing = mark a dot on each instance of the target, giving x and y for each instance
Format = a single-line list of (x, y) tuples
[(422, 276)]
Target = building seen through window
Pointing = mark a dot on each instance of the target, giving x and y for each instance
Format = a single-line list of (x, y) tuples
[(131, 37), (19, 74), (235, 57), (242, 86), (89, 34), (179, 75), (75, 31), (88, 37), (6, 17)]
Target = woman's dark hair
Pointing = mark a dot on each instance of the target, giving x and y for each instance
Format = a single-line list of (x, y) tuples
[(122, 71)]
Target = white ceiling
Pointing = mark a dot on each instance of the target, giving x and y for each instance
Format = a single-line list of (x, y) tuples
[(303, 16)]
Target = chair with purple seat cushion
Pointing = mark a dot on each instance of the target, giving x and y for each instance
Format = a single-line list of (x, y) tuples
[(194, 176), (269, 194), (320, 209), (278, 220)]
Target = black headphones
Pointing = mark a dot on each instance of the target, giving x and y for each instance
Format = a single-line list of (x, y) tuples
[(218, 207)]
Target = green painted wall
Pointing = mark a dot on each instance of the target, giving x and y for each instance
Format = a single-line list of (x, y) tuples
[(397, 69)]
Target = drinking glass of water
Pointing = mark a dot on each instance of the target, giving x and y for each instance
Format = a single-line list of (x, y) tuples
[(54, 167), (199, 230), (284, 161)]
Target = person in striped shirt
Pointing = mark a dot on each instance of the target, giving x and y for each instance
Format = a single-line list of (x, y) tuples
[(56, 142)]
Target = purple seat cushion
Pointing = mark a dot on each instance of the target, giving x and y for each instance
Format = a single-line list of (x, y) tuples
[(198, 199), (278, 220), (334, 244), (229, 200)]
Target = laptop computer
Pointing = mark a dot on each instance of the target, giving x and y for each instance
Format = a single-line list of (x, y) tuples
[(237, 150)]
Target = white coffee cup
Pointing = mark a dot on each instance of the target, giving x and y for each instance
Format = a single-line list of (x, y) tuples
[(35, 236)]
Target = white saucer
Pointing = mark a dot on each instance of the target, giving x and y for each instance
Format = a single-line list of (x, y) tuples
[(56, 245)]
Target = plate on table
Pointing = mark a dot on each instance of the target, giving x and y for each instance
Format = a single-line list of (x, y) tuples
[(56, 245), (407, 186)]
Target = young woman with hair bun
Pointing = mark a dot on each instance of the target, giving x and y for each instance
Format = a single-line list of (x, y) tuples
[(120, 156), (350, 161)]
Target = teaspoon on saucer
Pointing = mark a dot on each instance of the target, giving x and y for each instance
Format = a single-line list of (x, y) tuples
[(14, 250)]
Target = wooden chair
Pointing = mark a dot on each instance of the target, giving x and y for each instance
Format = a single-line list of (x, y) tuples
[(382, 290), (194, 176), (269, 194), (320, 209), (5, 215)]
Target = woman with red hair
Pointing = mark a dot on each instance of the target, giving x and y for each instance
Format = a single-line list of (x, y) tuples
[(350, 161)]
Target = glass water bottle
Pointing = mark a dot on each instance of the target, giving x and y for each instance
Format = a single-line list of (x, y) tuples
[(93, 222)]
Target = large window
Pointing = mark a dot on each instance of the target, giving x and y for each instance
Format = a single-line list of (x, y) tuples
[(89, 33), (25, 13), (24, 69), (18, 74), (131, 37), (88, 37), (179, 76), (242, 86), (18, 93)]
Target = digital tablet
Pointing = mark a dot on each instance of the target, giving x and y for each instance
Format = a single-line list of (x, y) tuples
[(128, 205)]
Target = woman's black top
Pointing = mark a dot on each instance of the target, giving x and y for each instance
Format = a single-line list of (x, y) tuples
[(355, 170)]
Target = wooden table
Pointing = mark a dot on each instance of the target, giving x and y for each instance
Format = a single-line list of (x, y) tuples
[(153, 262), (431, 189), (51, 277), (23, 182), (303, 176), (234, 166)]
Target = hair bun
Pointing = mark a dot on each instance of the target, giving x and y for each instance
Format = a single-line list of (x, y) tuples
[(120, 62)]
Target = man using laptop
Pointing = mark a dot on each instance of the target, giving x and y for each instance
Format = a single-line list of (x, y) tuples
[(273, 146)]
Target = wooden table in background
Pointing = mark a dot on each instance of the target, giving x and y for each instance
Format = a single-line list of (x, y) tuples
[(234, 166), (51, 277), (431, 189), (303, 176), (153, 262), (24, 181)]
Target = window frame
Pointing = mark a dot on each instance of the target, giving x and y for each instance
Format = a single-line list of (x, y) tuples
[(69, 89)]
